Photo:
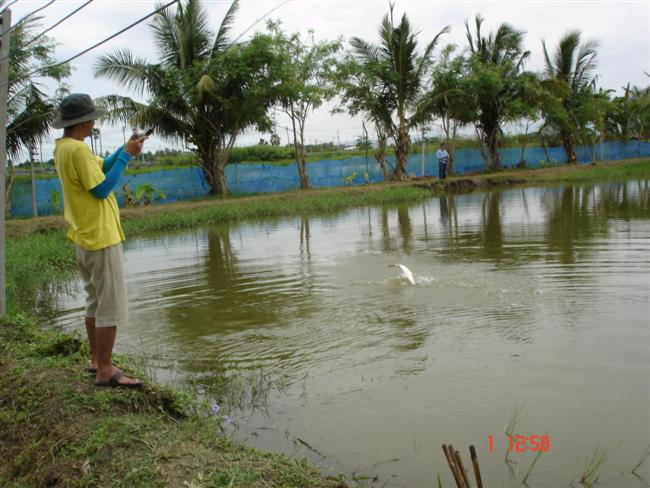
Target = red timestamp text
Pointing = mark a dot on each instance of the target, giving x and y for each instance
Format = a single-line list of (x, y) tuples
[(523, 443)]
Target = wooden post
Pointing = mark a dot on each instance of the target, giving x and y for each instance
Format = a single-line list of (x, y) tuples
[(32, 157), (422, 163), (461, 468), (449, 454), (5, 24), (477, 471)]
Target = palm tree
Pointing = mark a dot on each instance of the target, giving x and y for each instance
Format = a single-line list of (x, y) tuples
[(361, 92), (496, 81), (30, 111), (571, 79), (203, 90), (400, 74)]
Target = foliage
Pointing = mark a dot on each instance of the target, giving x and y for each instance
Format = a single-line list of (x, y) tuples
[(391, 77), (146, 194), (261, 153), (629, 115), (56, 201), (203, 90), (449, 99), (498, 86), (30, 111), (306, 81), (570, 82)]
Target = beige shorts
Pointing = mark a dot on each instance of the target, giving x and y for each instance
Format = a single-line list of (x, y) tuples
[(102, 273)]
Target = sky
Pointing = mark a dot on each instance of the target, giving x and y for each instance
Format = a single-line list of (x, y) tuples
[(622, 29)]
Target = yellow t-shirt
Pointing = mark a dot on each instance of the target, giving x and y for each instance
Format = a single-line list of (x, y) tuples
[(94, 222)]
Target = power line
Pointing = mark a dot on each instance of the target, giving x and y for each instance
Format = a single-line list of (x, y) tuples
[(38, 36), (24, 19), (255, 23), (7, 6), (42, 68)]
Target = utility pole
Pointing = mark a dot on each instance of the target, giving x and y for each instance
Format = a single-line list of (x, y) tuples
[(32, 157), (5, 24)]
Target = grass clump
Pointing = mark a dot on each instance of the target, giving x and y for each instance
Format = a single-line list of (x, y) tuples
[(58, 429)]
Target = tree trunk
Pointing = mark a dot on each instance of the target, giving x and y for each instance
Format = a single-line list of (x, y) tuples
[(380, 153), (567, 143), (493, 148), (214, 171), (450, 126), (299, 148), (302, 171), (545, 146), (402, 147), (220, 188), (452, 148)]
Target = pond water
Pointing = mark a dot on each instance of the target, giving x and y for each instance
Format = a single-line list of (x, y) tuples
[(530, 303)]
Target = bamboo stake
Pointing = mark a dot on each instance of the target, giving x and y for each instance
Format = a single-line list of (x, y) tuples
[(457, 466), (477, 471), (452, 466), (463, 472)]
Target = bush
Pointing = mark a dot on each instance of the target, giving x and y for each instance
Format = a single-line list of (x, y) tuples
[(260, 153)]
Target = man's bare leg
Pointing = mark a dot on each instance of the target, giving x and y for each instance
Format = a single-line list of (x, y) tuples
[(90, 330), (104, 341)]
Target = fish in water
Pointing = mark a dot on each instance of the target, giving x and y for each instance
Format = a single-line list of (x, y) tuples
[(404, 272)]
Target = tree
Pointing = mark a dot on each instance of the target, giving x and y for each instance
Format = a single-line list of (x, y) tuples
[(30, 111), (496, 82), (449, 99), (629, 115), (395, 78), (307, 83), (570, 78), (203, 90), (361, 92)]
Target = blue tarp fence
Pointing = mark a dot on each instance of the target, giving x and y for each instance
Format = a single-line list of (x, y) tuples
[(189, 183)]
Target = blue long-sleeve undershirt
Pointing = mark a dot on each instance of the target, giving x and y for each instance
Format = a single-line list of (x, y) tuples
[(109, 161), (112, 167)]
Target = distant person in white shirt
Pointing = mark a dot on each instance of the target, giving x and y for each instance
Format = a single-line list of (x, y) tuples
[(443, 159)]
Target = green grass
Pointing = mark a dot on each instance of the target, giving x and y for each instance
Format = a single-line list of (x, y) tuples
[(265, 208), (57, 429), (639, 168), (34, 263)]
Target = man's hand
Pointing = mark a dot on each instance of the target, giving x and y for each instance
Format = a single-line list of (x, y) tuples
[(134, 145)]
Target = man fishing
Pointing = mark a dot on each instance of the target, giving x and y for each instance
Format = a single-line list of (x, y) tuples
[(91, 210)]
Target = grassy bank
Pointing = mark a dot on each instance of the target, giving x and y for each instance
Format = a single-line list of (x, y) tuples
[(56, 427)]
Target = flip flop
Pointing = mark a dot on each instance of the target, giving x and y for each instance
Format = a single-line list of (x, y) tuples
[(114, 382)]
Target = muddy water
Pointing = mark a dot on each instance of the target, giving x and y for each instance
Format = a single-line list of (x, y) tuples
[(534, 300)]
